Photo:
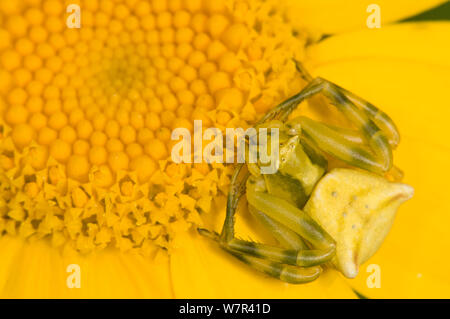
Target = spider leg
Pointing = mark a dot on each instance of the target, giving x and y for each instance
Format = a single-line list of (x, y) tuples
[(378, 162), (353, 141), (283, 110), (286, 273), (294, 257), (288, 223), (286, 237), (290, 217), (237, 190), (380, 118), (349, 135), (376, 138), (341, 146), (287, 264)]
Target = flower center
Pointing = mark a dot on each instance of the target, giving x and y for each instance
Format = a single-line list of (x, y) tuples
[(87, 114)]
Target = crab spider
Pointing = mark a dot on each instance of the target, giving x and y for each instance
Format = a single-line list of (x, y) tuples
[(278, 200)]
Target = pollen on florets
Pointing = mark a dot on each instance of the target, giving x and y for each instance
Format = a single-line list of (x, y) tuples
[(86, 114)]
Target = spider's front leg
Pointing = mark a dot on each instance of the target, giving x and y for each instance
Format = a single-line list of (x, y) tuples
[(293, 263), (370, 147), (380, 118), (287, 273), (294, 219)]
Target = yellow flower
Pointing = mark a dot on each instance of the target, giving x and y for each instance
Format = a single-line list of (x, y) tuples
[(86, 117)]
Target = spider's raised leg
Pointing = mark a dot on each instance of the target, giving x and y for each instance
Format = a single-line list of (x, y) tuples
[(342, 147), (377, 159), (380, 118)]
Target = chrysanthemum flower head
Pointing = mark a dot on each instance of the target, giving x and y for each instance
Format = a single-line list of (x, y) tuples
[(87, 113), (86, 116)]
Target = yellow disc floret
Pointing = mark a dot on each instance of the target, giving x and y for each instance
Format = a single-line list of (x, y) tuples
[(78, 167), (22, 135)]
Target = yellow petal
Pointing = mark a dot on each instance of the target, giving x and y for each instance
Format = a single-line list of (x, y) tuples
[(8, 255), (36, 270), (200, 269), (334, 16), (413, 259), (409, 42), (413, 91)]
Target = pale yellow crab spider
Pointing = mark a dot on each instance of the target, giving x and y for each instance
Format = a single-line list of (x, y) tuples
[(278, 200)]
